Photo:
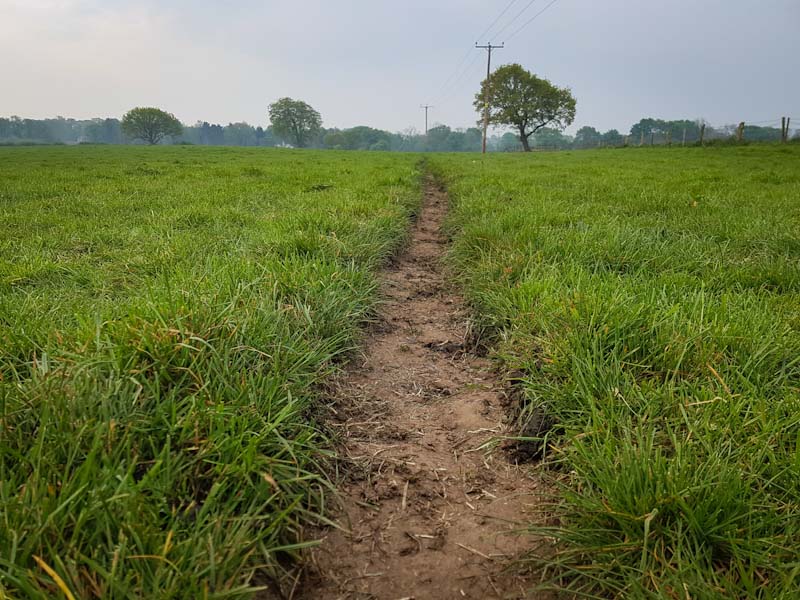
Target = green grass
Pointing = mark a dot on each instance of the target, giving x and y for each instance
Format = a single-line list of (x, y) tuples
[(651, 299), (165, 314)]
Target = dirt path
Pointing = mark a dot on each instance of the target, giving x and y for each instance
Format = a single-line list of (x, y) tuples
[(428, 512)]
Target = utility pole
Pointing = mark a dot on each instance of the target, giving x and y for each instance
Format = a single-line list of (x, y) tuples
[(426, 107), (488, 47)]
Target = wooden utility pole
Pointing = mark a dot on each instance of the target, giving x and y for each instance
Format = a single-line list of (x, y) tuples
[(426, 107), (785, 122), (488, 47)]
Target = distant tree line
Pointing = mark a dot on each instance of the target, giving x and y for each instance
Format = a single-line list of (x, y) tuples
[(646, 132), (60, 131), (440, 138), (650, 132)]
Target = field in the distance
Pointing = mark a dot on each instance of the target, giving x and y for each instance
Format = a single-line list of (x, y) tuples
[(649, 302), (164, 314)]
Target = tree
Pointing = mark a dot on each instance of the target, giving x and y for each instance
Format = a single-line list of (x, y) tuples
[(150, 125), (265, 137), (239, 134), (551, 139), (104, 131), (437, 138), (215, 134), (357, 138), (294, 121), (612, 137), (508, 143), (587, 137), (520, 99), (658, 130)]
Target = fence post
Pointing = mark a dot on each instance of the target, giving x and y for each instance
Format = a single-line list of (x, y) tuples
[(740, 132), (788, 120), (652, 137), (683, 143), (669, 138), (783, 130), (702, 133), (641, 139)]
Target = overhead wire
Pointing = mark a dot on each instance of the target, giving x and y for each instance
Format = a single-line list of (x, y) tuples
[(529, 21), (512, 21), (500, 16), (450, 84), (448, 93), (447, 81), (444, 90)]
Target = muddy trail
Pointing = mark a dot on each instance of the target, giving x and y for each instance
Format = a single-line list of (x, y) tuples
[(429, 509)]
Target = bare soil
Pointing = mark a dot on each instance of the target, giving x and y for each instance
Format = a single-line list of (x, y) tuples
[(432, 508)]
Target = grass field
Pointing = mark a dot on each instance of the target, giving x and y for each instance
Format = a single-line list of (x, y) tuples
[(164, 316), (651, 300)]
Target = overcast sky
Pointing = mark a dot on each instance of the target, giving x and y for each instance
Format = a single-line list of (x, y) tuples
[(373, 62)]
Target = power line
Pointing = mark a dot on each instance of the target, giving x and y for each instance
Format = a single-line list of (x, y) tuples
[(448, 87), (455, 87), (518, 15), (500, 16), (455, 75), (448, 91), (447, 81), (529, 21)]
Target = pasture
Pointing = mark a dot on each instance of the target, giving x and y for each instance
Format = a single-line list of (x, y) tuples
[(648, 303), (168, 314), (165, 316)]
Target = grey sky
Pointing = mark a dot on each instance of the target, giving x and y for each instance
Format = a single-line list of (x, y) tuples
[(374, 62)]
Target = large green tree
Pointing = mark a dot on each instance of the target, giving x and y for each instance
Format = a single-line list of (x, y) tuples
[(294, 121), (150, 125), (520, 99)]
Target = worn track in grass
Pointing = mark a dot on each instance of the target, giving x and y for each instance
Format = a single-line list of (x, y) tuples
[(428, 510)]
